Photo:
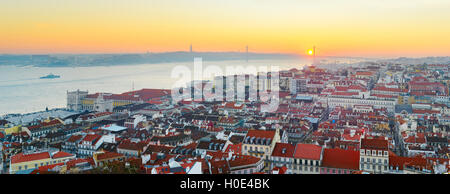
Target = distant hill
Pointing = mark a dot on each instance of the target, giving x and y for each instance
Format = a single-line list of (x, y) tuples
[(65, 60), (422, 60)]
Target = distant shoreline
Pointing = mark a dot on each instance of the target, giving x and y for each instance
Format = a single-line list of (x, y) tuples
[(87, 60), (83, 60)]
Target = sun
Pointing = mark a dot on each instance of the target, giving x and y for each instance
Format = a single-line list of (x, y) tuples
[(310, 52)]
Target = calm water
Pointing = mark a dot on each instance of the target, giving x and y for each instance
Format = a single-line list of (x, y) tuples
[(21, 90)]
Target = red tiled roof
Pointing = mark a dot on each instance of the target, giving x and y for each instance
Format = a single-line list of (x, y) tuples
[(400, 162), (357, 87), (381, 144), (73, 163), (50, 123), (260, 134), (344, 93), (214, 129), (49, 167), (219, 167), (74, 138), (243, 160), (340, 158), (420, 111), (283, 150), (148, 94), (384, 96), (232, 105), (108, 155), (45, 124), (19, 158), (227, 120), (308, 151), (283, 94), (128, 145), (382, 88), (100, 114), (61, 155), (368, 73), (414, 139), (279, 170), (348, 137), (91, 137), (235, 148)]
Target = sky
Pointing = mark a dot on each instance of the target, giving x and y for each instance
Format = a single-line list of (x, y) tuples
[(375, 28)]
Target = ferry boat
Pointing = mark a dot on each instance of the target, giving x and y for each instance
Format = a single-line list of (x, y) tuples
[(50, 76)]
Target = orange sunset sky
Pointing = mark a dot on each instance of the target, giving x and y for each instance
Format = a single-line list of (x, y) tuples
[(376, 28)]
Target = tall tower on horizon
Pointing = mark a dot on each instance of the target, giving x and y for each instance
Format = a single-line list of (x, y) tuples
[(246, 53), (190, 48)]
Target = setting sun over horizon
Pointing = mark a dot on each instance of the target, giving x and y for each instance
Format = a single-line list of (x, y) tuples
[(344, 28)]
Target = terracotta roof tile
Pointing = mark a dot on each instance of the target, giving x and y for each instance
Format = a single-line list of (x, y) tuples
[(61, 155), (19, 158), (339, 158), (308, 151), (283, 150)]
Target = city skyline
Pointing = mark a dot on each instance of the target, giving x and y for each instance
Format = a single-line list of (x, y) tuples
[(348, 28), (200, 87)]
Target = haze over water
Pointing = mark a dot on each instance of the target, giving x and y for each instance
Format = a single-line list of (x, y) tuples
[(21, 90)]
